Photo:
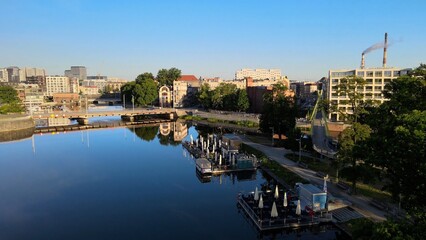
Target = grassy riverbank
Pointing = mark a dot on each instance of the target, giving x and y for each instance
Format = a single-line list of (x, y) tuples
[(243, 123)]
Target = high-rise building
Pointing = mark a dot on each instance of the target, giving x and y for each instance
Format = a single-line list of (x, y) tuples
[(258, 74), (13, 74), (57, 84), (376, 79), (78, 72)]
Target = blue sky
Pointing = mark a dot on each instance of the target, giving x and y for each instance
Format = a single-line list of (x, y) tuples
[(209, 38)]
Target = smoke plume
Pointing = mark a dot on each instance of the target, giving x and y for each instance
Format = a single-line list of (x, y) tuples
[(380, 45)]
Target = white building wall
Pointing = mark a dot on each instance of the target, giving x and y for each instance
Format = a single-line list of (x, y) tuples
[(57, 84)]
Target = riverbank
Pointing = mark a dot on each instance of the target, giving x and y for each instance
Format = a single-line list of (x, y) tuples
[(15, 127)]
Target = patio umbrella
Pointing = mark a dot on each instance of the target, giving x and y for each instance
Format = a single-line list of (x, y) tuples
[(274, 212), (256, 194), (261, 202), (276, 195), (220, 159), (298, 209), (285, 199)]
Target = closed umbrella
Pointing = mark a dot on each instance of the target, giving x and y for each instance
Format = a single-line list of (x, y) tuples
[(276, 195), (191, 139), (274, 212), (325, 184), (261, 202), (298, 209), (285, 199), (256, 194)]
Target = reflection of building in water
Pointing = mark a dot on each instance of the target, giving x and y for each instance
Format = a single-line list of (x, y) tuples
[(58, 122), (165, 128), (179, 129)]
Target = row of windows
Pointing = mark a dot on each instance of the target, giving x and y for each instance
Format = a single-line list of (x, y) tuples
[(368, 81)]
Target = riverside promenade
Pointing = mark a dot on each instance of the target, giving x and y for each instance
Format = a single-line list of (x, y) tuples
[(359, 203)]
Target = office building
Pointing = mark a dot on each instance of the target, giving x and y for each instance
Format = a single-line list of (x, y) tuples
[(78, 72), (258, 74)]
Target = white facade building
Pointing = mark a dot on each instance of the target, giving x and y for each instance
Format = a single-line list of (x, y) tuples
[(376, 79), (259, 74), (3, 75), (57, 84)]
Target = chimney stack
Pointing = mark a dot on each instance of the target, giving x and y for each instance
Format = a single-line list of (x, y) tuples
[(385, 54), (362, 61)]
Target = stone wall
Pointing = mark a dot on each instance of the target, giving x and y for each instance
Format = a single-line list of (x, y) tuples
[(14, 127)]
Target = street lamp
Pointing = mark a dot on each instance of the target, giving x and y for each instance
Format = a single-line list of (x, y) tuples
[(133, 103)]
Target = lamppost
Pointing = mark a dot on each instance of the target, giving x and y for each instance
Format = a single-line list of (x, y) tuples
[(124, 101), (133, 103)]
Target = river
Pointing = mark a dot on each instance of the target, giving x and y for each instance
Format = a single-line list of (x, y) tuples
[(121, 183)]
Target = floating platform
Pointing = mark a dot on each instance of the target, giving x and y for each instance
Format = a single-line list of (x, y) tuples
[(287, 219)]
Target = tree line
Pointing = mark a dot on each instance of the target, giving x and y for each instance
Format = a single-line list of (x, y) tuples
[(9, 101), (387, 142), (226, 97), (144, 90)]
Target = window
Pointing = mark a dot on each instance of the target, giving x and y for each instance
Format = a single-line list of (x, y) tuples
[(378, 73), (377, 88), (369, 81), (396, 73), (388, 74), (369, 73), (361, 74), (368, 88), (335, 81), (378, 81), (387, 80)]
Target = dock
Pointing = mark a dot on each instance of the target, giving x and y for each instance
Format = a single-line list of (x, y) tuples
[(286, 219)]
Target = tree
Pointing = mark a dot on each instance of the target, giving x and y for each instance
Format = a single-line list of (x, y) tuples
[(9, 101), (352, 88), (204, 96), (279, 111), (351, 152), (166, 77), (243, 101), (143, 90), (398, 139)]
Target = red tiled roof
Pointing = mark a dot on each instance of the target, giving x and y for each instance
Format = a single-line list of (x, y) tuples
[(187, 78)]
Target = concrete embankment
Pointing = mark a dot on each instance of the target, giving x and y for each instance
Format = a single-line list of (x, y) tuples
[(15, 127)]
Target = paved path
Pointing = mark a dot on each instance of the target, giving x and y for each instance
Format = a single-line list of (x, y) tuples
[(359, 203)]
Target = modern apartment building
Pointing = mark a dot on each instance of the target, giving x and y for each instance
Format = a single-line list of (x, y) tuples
[(3, 75), (376, 79), (258, 74), (57, 84)]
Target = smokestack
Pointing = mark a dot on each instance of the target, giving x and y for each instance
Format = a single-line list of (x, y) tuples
[(385, 48), (362, 61)]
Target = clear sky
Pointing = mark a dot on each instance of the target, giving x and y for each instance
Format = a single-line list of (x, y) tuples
[(209, 38)]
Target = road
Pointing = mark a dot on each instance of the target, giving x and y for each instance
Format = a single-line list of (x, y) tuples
[(321, 142), (359, 203)]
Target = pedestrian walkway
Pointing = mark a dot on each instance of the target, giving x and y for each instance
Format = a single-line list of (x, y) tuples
[(359, 203)]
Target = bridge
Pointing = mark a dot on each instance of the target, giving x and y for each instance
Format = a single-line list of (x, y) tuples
[(126, 115)]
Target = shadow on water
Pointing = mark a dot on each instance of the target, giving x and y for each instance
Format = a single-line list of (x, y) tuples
[(16, 135)]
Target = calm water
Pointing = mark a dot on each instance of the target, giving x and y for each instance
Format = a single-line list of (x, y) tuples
[(115, 184)]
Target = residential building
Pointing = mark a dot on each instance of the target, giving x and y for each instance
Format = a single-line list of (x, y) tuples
[(89, 90), (78, 72), (376, 79), (3, 75), (184, 88), (258, 74), (99, 83), (57, 84), (114, 84)]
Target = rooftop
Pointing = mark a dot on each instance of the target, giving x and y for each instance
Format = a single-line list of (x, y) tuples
[(187, 78)]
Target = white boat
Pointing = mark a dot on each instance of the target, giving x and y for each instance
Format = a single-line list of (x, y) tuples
[(203, 166)]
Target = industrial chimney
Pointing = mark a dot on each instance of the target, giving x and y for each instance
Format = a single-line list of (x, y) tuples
[(362, 61), (385, 54)]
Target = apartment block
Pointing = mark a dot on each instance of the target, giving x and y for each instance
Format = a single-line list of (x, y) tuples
[(376, 79), (258, 74), (57, 84)]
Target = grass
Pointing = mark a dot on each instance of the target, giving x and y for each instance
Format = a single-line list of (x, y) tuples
[(369, 191), (288, 176), (314, 164)]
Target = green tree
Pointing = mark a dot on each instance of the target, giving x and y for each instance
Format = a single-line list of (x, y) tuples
[(167, 76), (243, 101), (353, 89), (398, 140), (9, 101), (143, 90), (204, 96), (279, 111), (351, 152)]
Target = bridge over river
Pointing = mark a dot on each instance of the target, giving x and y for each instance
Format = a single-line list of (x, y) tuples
[(126, 115)]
